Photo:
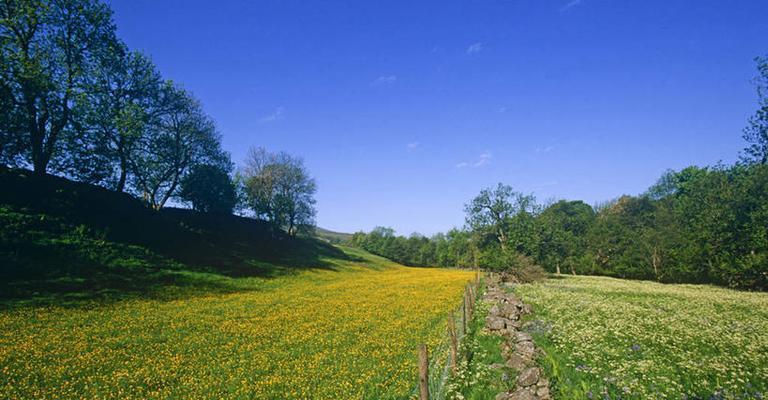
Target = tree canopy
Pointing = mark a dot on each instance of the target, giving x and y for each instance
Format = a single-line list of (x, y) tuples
[(280, 190)]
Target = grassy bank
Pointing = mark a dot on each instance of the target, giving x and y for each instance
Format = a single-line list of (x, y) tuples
[(346, 332), (101, 297), (611, 338)]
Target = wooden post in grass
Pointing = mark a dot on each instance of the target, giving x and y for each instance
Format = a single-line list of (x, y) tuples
[(470, 299), (464, 312), (423, 372), (454, 342)]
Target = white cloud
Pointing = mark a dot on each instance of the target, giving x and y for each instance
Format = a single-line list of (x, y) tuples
[(412, 146), (484, 159), (571, 4), (384, 80), (544, 149), (277, 115), (475, 48)]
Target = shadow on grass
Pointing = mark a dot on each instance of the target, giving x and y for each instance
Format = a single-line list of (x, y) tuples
[(63, 243), (67, 271)]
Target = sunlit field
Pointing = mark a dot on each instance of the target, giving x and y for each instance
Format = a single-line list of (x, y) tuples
[(610, 338), (323, 334)]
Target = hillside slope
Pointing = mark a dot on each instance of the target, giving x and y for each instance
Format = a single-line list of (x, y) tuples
[(332, 236), (60, 238), (209, 306)]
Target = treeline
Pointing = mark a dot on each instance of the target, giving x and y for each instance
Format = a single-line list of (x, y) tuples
[(697, 225), (75, 101)]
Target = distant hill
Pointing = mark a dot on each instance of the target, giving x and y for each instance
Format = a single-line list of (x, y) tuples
[(333, 237), (59, 237)]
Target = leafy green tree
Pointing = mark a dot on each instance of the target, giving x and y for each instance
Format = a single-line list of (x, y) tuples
[(491, 211), (122, 96), (563, 227), (179, 137), (209, 189), (48, 49), (756, 134)]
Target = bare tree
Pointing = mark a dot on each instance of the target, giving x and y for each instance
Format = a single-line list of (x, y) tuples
[(280, 190)]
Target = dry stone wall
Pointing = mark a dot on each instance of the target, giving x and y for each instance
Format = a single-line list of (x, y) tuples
[(518, 348)]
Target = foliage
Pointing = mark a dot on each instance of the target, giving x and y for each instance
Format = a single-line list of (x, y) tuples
[(697, 225), (341, 333), (122, 97), (280, 190), (416, 250), (48, 48), (609, 338), (210, 189), (756, 133), (493, 211), (76, 101), (182, 136)]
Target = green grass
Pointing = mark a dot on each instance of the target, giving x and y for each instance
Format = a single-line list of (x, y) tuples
[(63, 242), (329, 333), (101, 297), (475, 379), (611, 338)]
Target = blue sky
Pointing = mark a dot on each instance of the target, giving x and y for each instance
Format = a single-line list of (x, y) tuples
[(404, 110)]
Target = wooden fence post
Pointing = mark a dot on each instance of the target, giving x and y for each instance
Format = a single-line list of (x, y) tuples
[(454, 342), (423, 372), (464, 312), (471, 300)]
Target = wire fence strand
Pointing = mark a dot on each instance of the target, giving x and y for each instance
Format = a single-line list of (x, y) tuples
[(440, 356)]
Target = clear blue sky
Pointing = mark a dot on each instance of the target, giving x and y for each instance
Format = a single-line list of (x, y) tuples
[(404, 110)]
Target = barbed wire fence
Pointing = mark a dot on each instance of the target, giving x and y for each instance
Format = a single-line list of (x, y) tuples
[(438, 364)]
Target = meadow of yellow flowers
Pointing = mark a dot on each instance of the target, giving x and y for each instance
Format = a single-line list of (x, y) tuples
[(346, 333)]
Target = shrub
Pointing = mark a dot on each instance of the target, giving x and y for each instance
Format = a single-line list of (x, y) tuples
[(209, 189)]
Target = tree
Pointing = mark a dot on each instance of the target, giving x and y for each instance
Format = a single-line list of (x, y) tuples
[(210, 189), (180, 136), (280, 190), (492, 211), (122, 97), (48, 47), (563, 228), (756, 133)]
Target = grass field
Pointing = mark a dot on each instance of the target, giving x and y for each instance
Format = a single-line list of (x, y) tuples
[(348, 331), (610, 338)]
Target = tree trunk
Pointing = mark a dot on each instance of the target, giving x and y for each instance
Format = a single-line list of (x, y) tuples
[(502, 239), (291, 231), (169, 192), (123, 166), (655, 262), (39, 163), (121, 182), (36, 126)]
